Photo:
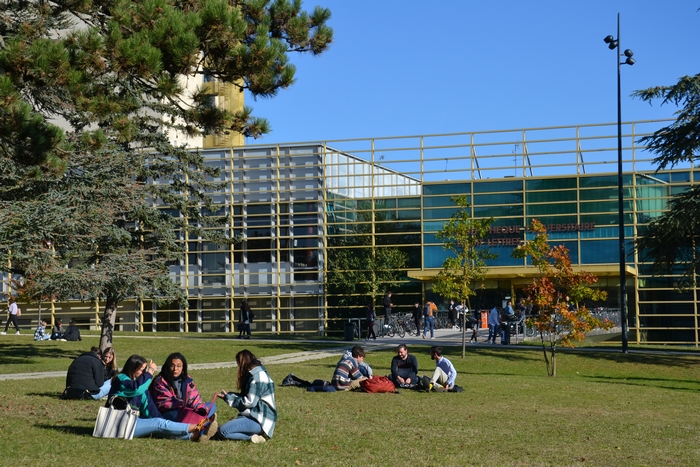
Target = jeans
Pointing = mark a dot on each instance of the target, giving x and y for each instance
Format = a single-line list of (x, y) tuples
[(493, 332), (240, 428), (429, 323), (161, 426), (104, 390)]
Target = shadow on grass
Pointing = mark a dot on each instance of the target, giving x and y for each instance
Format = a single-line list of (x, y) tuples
[(68, 429), (25, 354), (52, 395), (679, 361), (683, 385)]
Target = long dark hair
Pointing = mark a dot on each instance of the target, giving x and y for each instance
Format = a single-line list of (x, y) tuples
[(246, 361), (167, 373), (132, 364)]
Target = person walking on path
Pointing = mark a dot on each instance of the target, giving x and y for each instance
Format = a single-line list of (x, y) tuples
[(371, 318), (429, 316), (13, 312), (244, 320), (417, 316)]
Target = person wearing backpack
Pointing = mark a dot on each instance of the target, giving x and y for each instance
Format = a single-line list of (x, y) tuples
[(429, 318)]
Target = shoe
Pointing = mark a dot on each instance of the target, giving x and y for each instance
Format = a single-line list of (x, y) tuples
[(430, 387), (257, 439), (426, 383), (17, 333), (433, 337), (205, 429), (440, 389), (3, 333), (63, 340), (423, 336)]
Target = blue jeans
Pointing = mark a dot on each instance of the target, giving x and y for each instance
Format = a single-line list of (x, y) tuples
[(429, 323), (104, 390), (493, 332), (160, 426), (241, 428)]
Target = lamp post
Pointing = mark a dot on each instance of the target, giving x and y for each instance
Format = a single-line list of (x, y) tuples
[(612, 45)]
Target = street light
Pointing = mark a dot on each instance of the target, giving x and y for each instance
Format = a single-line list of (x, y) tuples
[(612, 45)]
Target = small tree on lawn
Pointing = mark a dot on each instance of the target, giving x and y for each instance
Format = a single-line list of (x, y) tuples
[(463, 237), (556, 322)]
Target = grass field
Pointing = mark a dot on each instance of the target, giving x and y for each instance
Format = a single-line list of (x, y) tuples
[(603, 409)]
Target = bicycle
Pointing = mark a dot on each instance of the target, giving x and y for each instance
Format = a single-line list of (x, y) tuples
[(409, 324), (382, 330)]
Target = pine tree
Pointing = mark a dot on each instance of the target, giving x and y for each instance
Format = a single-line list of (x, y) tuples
[(672, 240), (96, 202)]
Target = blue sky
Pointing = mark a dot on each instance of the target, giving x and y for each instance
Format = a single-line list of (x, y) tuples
[(414, 67)]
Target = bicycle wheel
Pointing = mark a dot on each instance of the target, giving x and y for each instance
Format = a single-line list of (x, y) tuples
[(400, 330), (411, 328)]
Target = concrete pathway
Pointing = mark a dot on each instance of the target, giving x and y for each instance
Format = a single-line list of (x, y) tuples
[(443, 337)]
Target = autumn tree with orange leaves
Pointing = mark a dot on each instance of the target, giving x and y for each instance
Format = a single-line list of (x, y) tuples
[(558, 322)]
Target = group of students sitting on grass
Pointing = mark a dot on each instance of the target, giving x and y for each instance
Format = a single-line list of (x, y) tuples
[(57, 333), (169, 403)]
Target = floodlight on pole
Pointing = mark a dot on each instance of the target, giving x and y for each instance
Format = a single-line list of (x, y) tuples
[(627, 54)]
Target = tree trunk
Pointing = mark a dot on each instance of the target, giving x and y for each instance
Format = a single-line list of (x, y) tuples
[(108, 319)]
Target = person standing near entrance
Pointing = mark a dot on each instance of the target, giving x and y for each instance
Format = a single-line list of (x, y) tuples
[(387, 309), (14, 312), (494, 322)]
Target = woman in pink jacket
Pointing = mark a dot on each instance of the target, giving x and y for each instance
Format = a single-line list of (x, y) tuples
[(174, 392)]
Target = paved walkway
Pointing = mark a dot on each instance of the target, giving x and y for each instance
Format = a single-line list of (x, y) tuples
[(443, 337)]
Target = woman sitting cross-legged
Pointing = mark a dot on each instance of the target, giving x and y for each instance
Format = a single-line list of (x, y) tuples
[(174, 392), (255, 403), (132, 384)]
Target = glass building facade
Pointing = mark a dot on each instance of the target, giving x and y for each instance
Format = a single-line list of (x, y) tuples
[(292, 205)]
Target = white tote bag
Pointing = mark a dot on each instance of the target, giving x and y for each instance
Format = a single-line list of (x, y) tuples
[(114, 423)]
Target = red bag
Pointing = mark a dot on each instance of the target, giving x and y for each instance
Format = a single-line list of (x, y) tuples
[(188, 415), (377, 384)]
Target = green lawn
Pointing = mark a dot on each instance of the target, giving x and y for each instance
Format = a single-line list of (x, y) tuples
[(603, 409)]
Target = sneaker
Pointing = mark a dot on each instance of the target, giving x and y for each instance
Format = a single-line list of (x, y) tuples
[(205, 429), (430, 387), (433, 337), (423, 336), (3, 333), (427, 385), (17, 333), (257, 439)]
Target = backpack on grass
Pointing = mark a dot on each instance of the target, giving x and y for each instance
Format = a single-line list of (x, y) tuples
[(377, 384)]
